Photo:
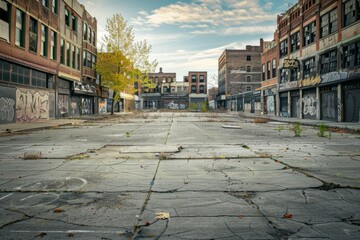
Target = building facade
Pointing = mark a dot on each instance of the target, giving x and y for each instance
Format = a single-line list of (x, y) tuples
[(238, 71), (197, 81), (41, 72), (269, 76), (319, 51)]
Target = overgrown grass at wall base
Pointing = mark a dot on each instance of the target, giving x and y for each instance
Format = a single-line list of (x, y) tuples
[(201, 106)]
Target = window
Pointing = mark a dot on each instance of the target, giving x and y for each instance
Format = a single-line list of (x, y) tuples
[(44, 40), (202, 78), (74, 23), (178, 89), (248, 78), (85, 30), (45, 3), (193, 89), (84, 58), (38, 79), (248, 88), (294, 74), (263, 72), (283, 48), (284, 74), (53, 45), (20, 75), (351, 55), (20, 29), (248, 58), (5, 20), (4, 71), (309, 33), (89, 34), (295, 42), (351, 12), (67, 17), (78, 58), (73, 57), (328, 62), (193, 78), (248, 68), (94, 38), (309, 67), (33, 35), (268, 70), (274, 68), (201, 89), (88, 60), (55, 6), (93, 61), (67, 54), (328, 23), (62, 51)]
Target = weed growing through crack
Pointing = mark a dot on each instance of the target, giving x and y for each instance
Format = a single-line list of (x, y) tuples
[(297, 130), (163, 156), (127, 134), (280, 128), (322, 129), (245, 146)]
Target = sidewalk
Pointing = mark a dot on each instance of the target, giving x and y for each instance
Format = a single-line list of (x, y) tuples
[(349, 126)]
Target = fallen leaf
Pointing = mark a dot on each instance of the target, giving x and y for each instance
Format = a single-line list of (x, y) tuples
[(288, 215), (58, 210), (162, 215)]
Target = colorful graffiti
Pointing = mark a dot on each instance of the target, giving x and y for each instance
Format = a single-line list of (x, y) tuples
[(31, 105), (310, 81), (270, 104), (102, 106)]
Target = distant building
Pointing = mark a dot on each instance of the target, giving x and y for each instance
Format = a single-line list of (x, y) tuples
[(238, 71), (319, 60), (197, 81)]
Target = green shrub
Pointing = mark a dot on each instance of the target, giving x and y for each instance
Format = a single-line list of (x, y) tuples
[(204, 106), (322, 129), (297, 130), (192, 106)]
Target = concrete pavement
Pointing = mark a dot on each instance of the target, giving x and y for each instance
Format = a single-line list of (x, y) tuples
[(108, 179)]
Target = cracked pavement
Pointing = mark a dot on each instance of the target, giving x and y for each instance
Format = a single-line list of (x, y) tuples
[(107, 179)]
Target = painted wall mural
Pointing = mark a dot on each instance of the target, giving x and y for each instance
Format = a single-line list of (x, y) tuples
[(7, 105), (102, 106), (31, 105)]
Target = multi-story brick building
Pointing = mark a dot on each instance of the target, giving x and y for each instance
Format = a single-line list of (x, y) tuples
[(238, 71), (269, 76), (40, 60), (319, 50), (197, 81)]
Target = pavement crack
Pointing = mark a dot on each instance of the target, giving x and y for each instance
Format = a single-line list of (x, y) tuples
[(305, 197)]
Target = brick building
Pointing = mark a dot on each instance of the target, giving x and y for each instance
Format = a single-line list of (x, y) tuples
[(197, 81), (238, 71), (319, 50), (269, 76), (41, 70)]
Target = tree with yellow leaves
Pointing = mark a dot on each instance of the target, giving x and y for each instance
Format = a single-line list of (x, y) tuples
[(121, 61)]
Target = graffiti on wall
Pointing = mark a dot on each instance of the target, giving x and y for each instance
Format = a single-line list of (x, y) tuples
[(340, 108), (7, 111), (328, 107), (7, 105), (311, 81), (63, 105), (31, 105), (309, 105), (172, 105), (86, 106), (102, 106), (270, 104)]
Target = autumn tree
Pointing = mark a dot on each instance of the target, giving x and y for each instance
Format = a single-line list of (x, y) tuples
[(121, 61)]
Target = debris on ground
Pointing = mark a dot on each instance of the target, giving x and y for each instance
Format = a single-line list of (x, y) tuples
[(162, 215)]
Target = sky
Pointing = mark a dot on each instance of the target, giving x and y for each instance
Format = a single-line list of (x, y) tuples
[(190, 35)]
